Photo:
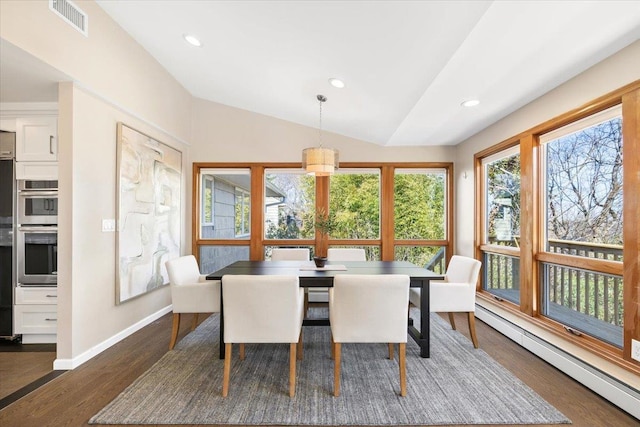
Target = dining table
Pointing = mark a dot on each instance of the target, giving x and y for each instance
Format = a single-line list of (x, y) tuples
[(311, 276)]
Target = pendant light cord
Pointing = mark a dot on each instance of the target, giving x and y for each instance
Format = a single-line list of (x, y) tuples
[(321, 99)]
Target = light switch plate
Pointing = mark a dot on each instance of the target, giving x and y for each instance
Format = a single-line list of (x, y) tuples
[(108, 225), (635, 350)]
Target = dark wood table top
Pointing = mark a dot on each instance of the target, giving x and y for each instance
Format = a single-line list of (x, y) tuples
[(324, 277)]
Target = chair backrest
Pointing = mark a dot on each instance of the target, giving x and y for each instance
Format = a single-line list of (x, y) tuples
[(290, 254), (183, 270), (369, 307), (259, 308), (346, 254), (463, 269)]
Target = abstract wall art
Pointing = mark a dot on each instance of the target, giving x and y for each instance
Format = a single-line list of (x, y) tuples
[(149, 177)]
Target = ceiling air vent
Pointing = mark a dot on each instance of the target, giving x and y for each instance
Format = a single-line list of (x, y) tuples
[(72, 14)]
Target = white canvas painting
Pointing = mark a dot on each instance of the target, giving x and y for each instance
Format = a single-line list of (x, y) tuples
[(149, 183)]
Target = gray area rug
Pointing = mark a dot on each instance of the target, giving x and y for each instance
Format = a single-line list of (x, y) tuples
[(457, 385)]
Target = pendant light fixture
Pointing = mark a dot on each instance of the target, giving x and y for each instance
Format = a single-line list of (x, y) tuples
[(319, 160)]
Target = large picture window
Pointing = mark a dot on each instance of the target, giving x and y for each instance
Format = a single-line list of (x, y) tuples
[(245, 211), (583, 203), (501, 224)]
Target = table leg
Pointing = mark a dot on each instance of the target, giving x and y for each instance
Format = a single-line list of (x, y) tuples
[(221, 325), (422, 337), (425, 320)]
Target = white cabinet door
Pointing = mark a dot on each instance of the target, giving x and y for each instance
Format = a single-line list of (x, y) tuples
[(36, 295), (35, 319), (37, 139)]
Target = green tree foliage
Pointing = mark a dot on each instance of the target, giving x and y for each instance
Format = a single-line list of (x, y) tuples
[(419, 207), (355, 202)]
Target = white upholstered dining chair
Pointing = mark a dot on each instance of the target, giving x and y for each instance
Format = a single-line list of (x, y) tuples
[(369, 309), (457, 293), (346, 254), (290, 254), (335, 255), (190, 292), (262, 309)]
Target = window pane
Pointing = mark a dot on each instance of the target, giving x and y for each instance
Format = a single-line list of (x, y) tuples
[(224, 203), (430, 257), (502, 276), (502, 178), (586, 301), (420, 204), (584, 190), (354, 199), (289, 204), (242, 212), (213, 258), (207, 200)]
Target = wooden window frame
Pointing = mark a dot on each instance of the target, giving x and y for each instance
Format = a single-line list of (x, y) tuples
[(532, 253), (386, 242)]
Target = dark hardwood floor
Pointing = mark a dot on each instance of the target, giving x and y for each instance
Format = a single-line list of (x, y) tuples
[(75, 396), (22, 364)]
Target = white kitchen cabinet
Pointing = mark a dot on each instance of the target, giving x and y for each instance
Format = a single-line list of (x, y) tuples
[(37, 139), (35, 319), (39, 171), (36, 295), (35, 314)]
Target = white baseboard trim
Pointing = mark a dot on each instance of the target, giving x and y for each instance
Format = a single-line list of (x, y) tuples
[(616, 392), (68, 364)]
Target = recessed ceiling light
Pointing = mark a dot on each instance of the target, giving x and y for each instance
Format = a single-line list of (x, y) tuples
[(336, 83), (192, 40), (470, 103)]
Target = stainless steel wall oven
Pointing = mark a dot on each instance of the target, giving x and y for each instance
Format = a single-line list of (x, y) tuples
[(37, 255), (37, 202)]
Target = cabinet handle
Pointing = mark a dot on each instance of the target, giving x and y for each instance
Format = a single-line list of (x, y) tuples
[(51, 144), (50, 320), (52, 296)]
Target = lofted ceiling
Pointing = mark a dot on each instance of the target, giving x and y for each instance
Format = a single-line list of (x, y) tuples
[(407, 65)]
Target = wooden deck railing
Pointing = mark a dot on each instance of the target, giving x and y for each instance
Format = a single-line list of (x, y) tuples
[(594, 294)]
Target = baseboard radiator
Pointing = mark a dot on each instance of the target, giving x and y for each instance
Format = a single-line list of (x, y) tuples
[(620, 394)]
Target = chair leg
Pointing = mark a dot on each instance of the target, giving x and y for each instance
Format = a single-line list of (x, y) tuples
[(452, 321), (391, 351), (333, 348), (299, 350), (472, 328), (306, 304), (174, 330), (292, 369), (336, 368), (402, 350), (241, 351), (227, 369), (194, 321)]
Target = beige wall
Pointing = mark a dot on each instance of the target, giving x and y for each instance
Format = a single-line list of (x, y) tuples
[(226, 134), (93, 253), (108, 62), (114, 80)]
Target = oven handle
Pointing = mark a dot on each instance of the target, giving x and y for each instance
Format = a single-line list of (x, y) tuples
[(37, 193), (37, 229)]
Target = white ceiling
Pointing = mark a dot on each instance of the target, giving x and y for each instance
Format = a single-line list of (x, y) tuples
[(407, 64)]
